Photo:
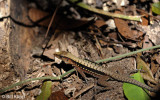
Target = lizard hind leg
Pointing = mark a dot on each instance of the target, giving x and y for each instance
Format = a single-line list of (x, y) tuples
[(102, 81)]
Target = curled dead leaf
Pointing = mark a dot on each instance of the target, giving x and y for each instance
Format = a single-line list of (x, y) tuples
[(126, 31), (61, 22), (147, 75)]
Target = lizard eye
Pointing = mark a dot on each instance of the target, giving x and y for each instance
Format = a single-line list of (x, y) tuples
[(66, 60)]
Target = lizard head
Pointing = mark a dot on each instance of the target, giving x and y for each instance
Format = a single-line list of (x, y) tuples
[(61, 54), (65, 56)]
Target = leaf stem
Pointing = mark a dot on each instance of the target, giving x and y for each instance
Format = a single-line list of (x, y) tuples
[(127, 54), (99, 11), (33, 79)]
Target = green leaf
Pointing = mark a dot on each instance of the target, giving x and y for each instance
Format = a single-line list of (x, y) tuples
[(133, 92), (46, 91), (156, 8)]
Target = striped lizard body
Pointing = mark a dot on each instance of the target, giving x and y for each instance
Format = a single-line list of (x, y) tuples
[(98, 70)]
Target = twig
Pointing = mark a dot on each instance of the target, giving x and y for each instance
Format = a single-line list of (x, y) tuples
[(53, 16), (83, 90)]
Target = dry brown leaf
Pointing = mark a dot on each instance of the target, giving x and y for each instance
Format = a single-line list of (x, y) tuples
[(113, 36), (58, 95), (36, 15), (147, 43), (145, 17), (155, 63), (47, 70), (49, 53), (99, 23), (144, 21), (61, 22), (54, 42), (158, 59), (154, 67), (126, 31)]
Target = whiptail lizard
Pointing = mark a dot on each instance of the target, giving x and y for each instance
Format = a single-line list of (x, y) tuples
[(97, 70)]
